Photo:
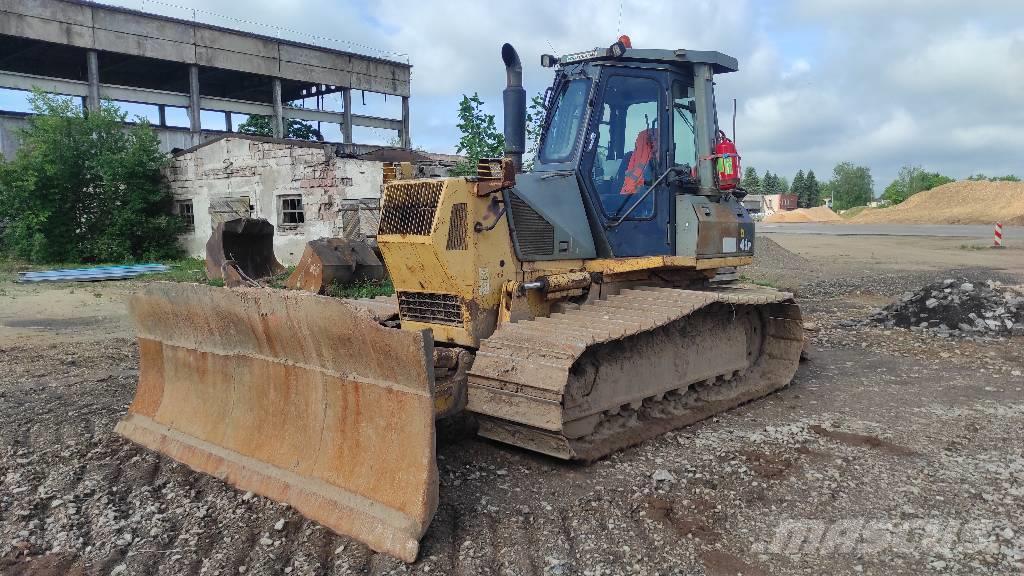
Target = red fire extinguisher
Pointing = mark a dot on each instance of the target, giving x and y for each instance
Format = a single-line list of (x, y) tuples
[(727, 163)]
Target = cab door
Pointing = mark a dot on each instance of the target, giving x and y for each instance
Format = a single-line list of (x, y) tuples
[(626, 149)]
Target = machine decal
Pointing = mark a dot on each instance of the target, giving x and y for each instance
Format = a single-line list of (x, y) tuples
[(728, 244), (485, 282)]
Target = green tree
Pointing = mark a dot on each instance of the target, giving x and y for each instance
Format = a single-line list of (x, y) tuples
[(910, 181), (851, 186), (814, 191), (480, 136), (772, 184), (535, 117), (800, 189), (294, 128), (86, 188), (751, 181)]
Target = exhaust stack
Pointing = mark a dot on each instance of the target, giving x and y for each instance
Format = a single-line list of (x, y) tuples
[(514, 100)]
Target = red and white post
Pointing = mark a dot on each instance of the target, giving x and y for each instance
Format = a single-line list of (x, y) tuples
[(997, 239)]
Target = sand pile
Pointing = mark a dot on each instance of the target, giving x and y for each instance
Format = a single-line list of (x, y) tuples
[(963, 202), (818, 214)]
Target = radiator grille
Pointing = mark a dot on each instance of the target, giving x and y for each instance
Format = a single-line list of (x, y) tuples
[(409, 207), (535, 235), (457, 227), (430, 308)]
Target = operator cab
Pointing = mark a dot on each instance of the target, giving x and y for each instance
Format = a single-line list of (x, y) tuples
[(635, 132)]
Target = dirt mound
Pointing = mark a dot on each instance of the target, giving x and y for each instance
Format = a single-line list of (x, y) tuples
[(817, 214), (963, 202), (956, 307)]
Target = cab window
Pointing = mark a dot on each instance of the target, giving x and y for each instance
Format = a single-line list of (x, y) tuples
[(684, 136), (561, 136), (627, 146)]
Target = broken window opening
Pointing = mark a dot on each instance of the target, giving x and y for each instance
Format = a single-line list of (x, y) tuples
[(293, 215), (184, 210)]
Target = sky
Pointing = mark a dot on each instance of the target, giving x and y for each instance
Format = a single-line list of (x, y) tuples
[(880, 83)]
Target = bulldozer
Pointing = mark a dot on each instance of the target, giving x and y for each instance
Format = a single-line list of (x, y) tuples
[(574, 309)]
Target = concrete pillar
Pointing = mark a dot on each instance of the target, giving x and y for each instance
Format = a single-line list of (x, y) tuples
[(193, 108), (346, 128), (406, 139), (162, 111), (278, 120), (227, 122), (93, 64)]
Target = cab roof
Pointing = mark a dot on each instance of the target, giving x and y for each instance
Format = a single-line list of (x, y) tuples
[(720, 63)]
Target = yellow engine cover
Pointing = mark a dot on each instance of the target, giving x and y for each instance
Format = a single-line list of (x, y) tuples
[(447, 275)]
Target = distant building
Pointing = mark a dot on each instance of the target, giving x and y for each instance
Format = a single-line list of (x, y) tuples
[(307, 190), (773, 203)]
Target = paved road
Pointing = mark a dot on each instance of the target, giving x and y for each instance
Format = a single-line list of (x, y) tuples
[(945, 230)]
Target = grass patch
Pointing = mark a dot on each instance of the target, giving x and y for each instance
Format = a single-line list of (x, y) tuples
[(765, 283), (853, 211), (361, 289), (184, 270), (278, 280)]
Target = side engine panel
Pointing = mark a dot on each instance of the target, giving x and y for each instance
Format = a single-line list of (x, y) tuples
[(709, 229)]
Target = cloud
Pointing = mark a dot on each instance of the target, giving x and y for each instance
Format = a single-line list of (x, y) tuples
[(882, 83)]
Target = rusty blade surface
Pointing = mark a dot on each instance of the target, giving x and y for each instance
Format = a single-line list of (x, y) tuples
[(297, 397)]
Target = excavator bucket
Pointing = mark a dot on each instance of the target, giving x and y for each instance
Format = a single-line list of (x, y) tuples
[(242, 248), (329, 260), (301, 398)]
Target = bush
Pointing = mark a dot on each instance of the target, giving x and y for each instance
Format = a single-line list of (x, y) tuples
[(910, 181), (86, 188)]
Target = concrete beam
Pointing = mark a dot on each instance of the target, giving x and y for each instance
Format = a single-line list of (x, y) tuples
[(376, 122), (145, 96), (28, 82), (70, 13), (37, 28), (113, 41)]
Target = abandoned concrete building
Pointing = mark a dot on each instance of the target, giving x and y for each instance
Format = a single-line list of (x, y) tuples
[(185, 68), (307, 190)]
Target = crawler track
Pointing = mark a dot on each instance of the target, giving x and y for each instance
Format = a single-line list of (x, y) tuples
[(616, 372)]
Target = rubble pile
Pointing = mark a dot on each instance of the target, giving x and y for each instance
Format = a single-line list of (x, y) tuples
[(958, 308)]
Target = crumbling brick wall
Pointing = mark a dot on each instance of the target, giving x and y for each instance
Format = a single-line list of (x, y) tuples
[(236, 177)]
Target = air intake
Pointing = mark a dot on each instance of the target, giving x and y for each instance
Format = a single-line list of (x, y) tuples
[(430, 308), (458, 227), (409, 207), (535, 236)]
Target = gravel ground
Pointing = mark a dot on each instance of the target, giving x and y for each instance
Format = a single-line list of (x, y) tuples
[(892, 452)]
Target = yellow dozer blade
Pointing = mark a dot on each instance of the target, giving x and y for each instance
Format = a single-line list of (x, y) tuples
[(301, 398)]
